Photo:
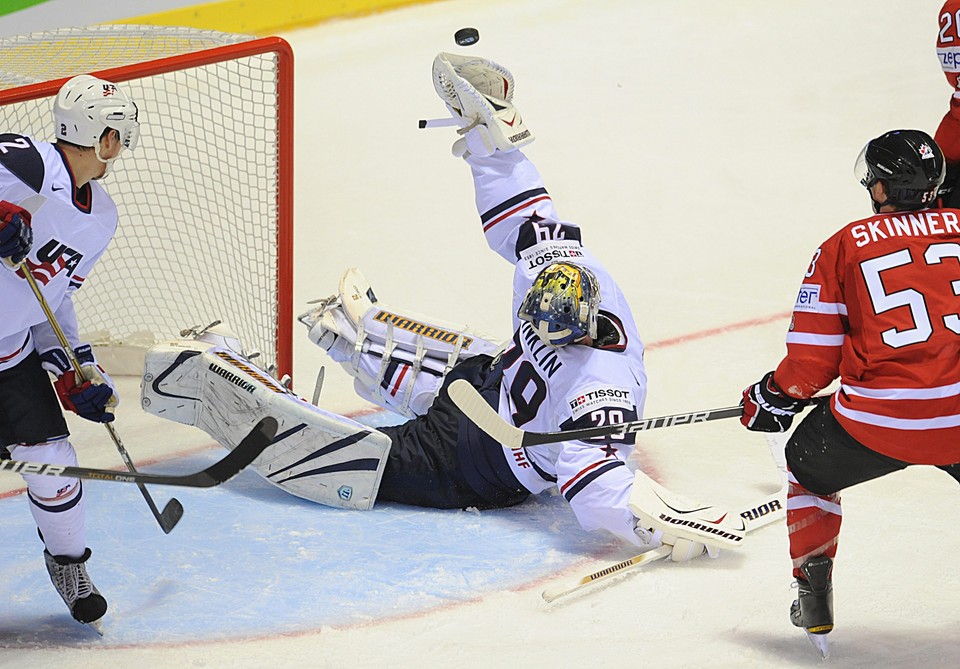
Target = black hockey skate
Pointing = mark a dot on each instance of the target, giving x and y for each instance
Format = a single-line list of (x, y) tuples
[(70, 578), (813, 609)]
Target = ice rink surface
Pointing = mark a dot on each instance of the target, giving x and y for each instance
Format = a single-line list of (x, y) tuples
[(706, 149)]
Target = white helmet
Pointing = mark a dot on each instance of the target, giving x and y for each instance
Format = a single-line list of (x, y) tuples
[(86, 106)]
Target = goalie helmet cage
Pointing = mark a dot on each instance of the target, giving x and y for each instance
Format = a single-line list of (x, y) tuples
[(205, 200)]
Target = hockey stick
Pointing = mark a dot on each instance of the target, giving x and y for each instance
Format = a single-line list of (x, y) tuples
[(469, 401), (474, 407), (223, 470), (173, 510), (766, 511)]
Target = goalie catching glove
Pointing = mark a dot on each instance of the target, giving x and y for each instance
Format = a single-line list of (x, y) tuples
[(479, 93), (766, 408), (93, 397)]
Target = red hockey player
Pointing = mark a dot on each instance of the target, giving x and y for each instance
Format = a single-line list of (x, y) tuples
[(878, 308), (948, 132)]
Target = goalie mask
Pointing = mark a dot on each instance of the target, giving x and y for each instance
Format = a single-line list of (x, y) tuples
[(908, 163), (86, 106), (562, 304)]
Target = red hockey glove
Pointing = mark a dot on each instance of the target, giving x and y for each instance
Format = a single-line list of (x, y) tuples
[(766, 408), (93, 399), (16, 235)]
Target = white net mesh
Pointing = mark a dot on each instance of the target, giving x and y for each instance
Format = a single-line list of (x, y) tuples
[(198, 234)]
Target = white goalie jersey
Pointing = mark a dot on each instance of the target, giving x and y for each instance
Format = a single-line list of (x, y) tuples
[(547, 389)]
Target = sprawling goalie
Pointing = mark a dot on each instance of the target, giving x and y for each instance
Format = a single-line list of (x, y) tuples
[(575, 360)]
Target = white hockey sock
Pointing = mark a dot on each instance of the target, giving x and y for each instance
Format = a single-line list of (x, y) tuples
[(55, 502)]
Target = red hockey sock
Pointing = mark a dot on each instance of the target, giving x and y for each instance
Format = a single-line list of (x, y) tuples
[(813, 523)]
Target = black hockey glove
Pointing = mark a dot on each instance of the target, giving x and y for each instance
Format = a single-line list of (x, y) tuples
[(766, 408)]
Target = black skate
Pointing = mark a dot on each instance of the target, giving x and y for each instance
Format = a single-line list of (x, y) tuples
[(70, 578), (813, 609)]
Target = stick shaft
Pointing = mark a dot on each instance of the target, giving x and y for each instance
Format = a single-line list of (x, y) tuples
[(474, 407), (246, 452), (469, 401)]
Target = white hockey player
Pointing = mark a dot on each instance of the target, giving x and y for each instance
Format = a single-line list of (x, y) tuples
[(575, 358), (57, 220)]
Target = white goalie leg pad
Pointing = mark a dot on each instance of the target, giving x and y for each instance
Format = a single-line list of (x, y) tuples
[(316, 455), (667, 512), (478, 94), (397, 358)]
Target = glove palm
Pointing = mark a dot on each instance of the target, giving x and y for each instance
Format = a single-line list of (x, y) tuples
[(479, 94)]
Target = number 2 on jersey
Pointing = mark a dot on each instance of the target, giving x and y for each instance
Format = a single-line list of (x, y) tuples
[(19, 143), (947, 22)]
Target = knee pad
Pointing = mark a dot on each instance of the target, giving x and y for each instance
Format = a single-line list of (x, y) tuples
[(49, 490)]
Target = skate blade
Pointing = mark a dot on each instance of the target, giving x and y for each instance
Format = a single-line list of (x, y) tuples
[(820, 642), (97, 626)]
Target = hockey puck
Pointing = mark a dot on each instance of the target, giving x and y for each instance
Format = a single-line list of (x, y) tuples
[(467, 36)]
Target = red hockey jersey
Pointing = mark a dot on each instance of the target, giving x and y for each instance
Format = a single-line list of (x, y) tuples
[(948, 51), (879, 307), (948, 40)]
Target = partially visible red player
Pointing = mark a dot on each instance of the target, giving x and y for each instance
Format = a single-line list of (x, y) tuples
[(948, 133)]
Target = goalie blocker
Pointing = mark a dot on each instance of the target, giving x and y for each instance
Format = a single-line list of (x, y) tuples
[(659, 509), (316, 455)]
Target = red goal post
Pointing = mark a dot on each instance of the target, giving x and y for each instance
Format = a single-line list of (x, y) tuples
[(206, 199)]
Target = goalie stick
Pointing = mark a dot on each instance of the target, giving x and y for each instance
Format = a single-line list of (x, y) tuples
[(758, 515), (223, 470)]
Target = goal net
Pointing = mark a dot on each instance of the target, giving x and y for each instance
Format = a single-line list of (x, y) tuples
[(205, 200)]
